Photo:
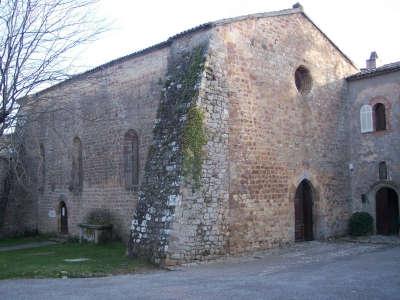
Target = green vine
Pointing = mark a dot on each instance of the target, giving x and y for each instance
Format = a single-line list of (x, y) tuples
[(179, 95), (194, 138)]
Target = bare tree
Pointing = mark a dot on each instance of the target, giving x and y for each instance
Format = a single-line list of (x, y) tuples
[(36, 37), (37, 40)]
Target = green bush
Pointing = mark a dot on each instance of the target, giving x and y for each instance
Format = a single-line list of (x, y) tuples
[(360, 224), (99, 217)]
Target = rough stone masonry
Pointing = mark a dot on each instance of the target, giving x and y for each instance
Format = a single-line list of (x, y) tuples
[(263, 139)]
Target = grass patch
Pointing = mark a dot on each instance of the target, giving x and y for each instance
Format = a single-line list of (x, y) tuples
[(49, 261)]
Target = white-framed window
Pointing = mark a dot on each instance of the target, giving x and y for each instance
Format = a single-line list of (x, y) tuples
[(366, 118)]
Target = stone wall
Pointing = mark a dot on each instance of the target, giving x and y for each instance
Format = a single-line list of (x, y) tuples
[(369, 149), (99, 108), (263, 138), (17, 210), (277, 137), (163, 221), (200, 230), (17, 214)]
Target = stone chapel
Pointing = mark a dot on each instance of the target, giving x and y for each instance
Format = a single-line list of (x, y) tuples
[(234, 136)]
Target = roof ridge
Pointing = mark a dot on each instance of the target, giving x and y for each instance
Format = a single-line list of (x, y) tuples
[(297, 8), (276, 13), (384, 69), (168, 41)]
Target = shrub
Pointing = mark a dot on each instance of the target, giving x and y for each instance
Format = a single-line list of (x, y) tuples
[(360, 224), (99, 217)]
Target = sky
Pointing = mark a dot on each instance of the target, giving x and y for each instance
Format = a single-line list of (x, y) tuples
[(356, 27)]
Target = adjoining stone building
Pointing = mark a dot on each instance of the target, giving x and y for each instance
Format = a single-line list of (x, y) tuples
[(374, 96), (237, 135)]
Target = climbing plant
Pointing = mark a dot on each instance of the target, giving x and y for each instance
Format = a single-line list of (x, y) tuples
[(194, 138), (181, 91), (175, 153)]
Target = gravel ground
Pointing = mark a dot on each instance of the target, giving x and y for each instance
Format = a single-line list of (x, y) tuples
[(312, 270)]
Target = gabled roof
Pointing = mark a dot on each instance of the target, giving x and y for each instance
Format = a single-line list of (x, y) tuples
[(366, 73), (297, 9)]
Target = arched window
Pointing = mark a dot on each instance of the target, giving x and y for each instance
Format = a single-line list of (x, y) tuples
[(383, 172), (366, 118), (303, 80), (131, 159), (379, 117), (42, 168), (77, 167), (63, 215)]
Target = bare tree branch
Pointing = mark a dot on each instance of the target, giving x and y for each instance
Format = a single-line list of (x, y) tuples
[(35, 38)]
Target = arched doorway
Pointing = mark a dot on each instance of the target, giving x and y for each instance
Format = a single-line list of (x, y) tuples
[(303, 211), (387, 211), (63, 218)]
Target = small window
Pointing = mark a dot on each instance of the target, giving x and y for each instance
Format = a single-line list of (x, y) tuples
[(363, 198), (77, 167), (131, 159), (303, 80), (63, 215), (379, 117), (366, 118), (42, 168), (383, 172)]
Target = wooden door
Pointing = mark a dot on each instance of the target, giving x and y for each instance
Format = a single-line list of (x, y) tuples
[(303, 212), (387, 212), (299, 215), (308, 213), (63, 218)]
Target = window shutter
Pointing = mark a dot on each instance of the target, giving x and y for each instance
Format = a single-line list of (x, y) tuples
[(366, 118)]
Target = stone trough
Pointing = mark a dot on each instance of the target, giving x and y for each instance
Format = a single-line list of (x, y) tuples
[(95, 233)]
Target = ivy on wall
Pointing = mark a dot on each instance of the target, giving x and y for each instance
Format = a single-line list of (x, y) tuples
[(181, 90), (176, 153), (193, 140), (193, 135)]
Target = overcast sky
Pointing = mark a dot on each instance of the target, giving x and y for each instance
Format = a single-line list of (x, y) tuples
[(357, 27)]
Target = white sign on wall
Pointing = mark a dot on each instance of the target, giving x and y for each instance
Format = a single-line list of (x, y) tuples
[(52, 213)]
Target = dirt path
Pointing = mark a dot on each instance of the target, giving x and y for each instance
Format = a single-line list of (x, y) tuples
[(27, 246)]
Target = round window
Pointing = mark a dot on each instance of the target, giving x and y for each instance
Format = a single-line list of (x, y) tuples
[(303, 80)]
